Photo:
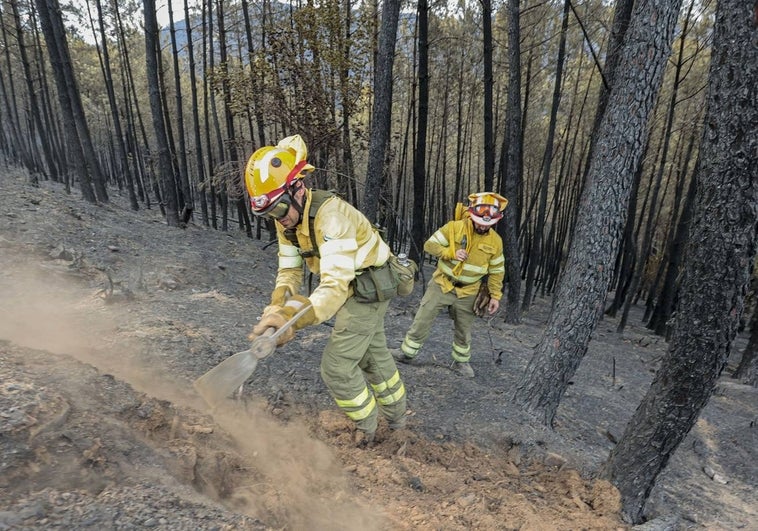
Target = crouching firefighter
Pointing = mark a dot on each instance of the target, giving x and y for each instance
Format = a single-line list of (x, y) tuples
[(338, 243)]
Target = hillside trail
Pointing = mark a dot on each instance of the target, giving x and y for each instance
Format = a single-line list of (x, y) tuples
[(108, 315)]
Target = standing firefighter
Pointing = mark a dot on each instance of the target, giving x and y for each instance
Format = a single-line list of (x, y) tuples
[(469, 254), (338, 243)]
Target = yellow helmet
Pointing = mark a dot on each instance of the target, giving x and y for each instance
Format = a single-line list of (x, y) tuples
[(486, 208), (271, 170)]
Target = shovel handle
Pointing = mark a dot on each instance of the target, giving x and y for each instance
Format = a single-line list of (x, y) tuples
[(302, 311)]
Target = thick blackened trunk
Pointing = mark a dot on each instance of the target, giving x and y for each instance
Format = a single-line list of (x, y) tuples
[(511, 169), (419, 157), (717, 268), (747, 370), (584, 284)]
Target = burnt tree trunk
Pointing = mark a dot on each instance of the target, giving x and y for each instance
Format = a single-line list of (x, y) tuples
[(511, 169), (747, 370), (717, 268), (489, 137), (74, 146), (382, 109), (198, 146), (419, 158), (165, 168), (581, 293), (538, 245), (113, 105)]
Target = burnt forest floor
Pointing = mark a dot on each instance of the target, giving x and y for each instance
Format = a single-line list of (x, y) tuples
[(108, 315)]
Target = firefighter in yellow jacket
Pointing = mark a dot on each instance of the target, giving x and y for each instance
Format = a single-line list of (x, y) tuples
[(336, 241), (467, 250)]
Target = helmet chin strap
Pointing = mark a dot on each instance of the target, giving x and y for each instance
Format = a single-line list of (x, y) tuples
[(297, 205)]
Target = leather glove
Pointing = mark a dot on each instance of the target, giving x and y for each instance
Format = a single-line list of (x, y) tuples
[(482, 300), (273, 319), (277, 316), (278, 297), (293, 306)]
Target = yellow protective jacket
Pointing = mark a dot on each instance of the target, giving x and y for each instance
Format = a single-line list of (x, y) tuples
[(485, 257), (346, 242)]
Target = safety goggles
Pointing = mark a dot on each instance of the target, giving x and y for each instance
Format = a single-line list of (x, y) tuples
[(263, 205), (281, 208), (486, 212)]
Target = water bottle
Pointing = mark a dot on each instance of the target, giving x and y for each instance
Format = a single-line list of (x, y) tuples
[(402, 259)]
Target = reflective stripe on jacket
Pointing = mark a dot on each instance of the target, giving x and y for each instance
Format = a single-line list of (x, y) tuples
[(346, 241), (485, 257)]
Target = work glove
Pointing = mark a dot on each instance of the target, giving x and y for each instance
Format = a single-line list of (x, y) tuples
[(277, 316), (482, 302), (293, 305), (273, 319), (280, 295), (278, 298)]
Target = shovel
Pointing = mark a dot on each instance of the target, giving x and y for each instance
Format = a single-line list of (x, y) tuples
[(222, 380)]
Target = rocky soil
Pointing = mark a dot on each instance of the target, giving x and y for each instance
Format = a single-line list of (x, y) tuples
[(107, 316)]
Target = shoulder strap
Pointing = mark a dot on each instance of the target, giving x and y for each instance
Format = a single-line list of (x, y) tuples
[(318, 197)]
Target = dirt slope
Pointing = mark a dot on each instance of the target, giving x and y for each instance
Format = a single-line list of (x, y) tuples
[(107, 315)]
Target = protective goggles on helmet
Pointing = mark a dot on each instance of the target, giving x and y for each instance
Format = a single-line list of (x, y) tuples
[(275, 208), (486, 213)]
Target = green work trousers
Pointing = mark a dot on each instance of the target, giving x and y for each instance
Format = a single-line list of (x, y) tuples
[(461, 310), (357, 353)]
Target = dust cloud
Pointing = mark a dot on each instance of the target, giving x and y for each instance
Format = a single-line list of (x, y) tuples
[(294, 479)]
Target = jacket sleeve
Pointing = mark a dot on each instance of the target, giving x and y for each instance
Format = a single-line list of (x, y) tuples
[(496, 271), (290, 272), (441, 243), (337, 247)]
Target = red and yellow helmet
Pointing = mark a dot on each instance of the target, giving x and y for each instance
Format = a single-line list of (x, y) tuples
[(272, 169), (486, 208)]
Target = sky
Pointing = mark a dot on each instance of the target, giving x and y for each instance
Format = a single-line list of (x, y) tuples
[(161, 11)]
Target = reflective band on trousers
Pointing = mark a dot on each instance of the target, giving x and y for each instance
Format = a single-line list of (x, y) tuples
[(393, 398), (389, 383), (382, 388), (358, 402), (410, 347), (461, 350)]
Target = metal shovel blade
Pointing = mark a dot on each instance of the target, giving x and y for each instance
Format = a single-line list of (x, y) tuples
[(226, 377), (222, 380)]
